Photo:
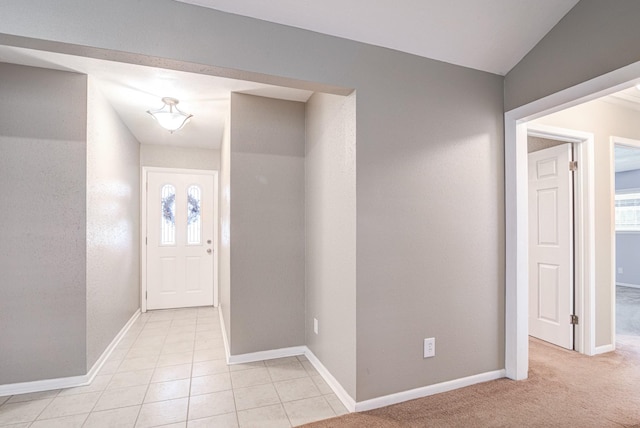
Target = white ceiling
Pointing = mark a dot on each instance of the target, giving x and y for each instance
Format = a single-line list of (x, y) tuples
[(488, 35), (626, 158), (629, 98), (134, 89)]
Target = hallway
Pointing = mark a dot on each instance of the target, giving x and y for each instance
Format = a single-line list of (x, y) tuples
[(170, 370)]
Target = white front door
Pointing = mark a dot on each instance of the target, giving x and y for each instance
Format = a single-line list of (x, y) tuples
[(180, 227), (551, 246)]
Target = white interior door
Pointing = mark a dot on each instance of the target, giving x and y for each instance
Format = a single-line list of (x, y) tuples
[(180, 225), (551, 246)]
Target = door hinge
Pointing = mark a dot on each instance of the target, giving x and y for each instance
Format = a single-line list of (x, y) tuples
[(573, 165), (574, 320), (146, 241), (146, 294)]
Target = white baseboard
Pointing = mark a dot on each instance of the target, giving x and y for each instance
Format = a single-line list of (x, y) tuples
[(425, 391), (71, 381), (267, 355), (374, 403), (43, 385), (337, 388), (225, 339), (114, 343), (399, 397), (255, 356), (628, 285), (604, 349)]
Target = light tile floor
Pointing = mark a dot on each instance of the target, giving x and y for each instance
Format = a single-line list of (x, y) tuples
[(169, 370)]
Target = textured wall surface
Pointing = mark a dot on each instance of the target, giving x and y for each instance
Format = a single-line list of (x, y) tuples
[(330, 224), (430, 233), (267, 224), (604, 120), (113, 224), (43, 205), (179, 157), (430, 153), (224, 246)]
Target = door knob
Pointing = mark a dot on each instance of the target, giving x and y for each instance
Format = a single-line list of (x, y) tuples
[(209, 250)]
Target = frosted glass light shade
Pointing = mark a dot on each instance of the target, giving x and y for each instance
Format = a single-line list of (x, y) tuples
[(169, 116)]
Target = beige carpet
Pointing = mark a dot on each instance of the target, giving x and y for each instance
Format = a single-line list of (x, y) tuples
[(564, 389)]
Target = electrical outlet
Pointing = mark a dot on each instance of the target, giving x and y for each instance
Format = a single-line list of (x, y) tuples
[(430, 347), (620, 270), (315, 325)]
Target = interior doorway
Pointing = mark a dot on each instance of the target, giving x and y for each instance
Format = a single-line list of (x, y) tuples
[(516, 124), (626, 245), (551, 243), (179, 238), (572, 324)]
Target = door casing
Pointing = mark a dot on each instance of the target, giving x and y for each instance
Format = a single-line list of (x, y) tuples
[(516, 205), (143, 227)]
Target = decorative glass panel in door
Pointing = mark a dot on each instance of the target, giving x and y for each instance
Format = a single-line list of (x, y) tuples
[(179, 239), (193, 215), (168, 221)]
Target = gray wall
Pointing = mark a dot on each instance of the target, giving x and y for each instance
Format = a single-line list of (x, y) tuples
[(594, 38), (628, 243), (430, 239), (42, 250), (224, 235), (267, 224), (430, 154), (603, 120), (330, 223), (113, 224), (179, 157)]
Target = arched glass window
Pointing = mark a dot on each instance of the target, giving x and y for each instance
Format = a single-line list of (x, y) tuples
[(193, 215), (168, 213)]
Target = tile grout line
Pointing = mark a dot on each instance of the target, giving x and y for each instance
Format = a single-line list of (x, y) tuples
[(116, 371), (135, 422), (112, 374), (278, 394), (200, 322), (235, 404), (45, 408), (193, 356)]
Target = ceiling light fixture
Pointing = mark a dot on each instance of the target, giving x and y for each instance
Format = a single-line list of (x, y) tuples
[(169, 116)]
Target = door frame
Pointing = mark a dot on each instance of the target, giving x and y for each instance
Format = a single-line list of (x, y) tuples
[(143, 226), (516, 204), (615, 141), (583, 229)]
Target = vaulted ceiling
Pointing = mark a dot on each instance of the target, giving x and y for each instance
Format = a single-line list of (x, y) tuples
[(488, 35)]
